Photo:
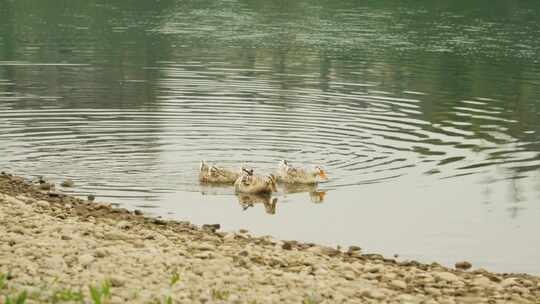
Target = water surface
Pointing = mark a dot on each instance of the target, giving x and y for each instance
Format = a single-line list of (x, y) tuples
[(425, 115)]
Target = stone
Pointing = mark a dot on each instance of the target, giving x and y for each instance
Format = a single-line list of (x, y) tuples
[(399, 284), (509, 282), (354, 249), (483, 282), (374, 294), (46, 186), (101, 252), (86, 259), (373, 268), (446, 276), (117, 281), (123, 225), (67, 183), (463, 265), (43, 204)]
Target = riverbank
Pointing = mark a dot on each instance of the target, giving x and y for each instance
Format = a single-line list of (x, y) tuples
[(59, 248)]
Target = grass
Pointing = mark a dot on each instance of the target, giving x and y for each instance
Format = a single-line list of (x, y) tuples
[(67, 295), (3, 280), (312, 299), (175, 278), (220, 294), (101, 294), (20, 299)]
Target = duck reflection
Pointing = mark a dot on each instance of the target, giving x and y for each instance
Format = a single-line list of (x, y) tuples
[(316, 196), (249, 200)]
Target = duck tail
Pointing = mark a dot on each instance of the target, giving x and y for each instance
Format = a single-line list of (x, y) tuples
[(203, 166)]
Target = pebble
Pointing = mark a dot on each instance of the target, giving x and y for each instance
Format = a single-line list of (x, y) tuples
[(398, 284), (463, 265), (43, 204), (374, 294), (124, 225), (86, 259), (68, 183), (509, 282), (373, 268), (446, 276)]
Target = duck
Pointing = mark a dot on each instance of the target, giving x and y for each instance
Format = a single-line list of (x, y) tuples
[(255, 184), (219, 175), (294, 175)]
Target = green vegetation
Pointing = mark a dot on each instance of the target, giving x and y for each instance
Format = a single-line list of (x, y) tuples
[(311, 299), (20, 299), (3, 279), (101, 295), (220, 294), (175, 278), (67, 295)]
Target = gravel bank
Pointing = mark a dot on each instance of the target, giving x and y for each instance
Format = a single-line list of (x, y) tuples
[(55, 246)]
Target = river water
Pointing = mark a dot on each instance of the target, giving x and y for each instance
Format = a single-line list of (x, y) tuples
[(426, 116)]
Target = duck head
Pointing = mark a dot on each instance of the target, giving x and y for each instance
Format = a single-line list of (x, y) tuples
[(271, 180), (320, 173)]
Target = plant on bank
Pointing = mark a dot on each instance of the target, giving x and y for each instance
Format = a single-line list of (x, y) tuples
[(101, 294)]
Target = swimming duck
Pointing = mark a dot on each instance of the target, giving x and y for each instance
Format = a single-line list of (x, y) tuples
[(214, 174), (293, 175), (253, 184)]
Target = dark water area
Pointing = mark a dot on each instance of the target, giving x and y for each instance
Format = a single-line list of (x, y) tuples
[(425, 114)]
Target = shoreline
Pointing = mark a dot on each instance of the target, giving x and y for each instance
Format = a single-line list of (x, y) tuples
[(54, 246)]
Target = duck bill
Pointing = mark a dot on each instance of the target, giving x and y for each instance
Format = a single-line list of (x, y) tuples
[(323, 175)]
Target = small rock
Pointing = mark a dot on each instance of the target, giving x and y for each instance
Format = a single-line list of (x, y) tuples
[(65, 237), (46, 186), (203, 255), (54, 194), (117, 281), (373, 268), (91, 197), (287, 246), (349, 275), (374, 294), (137, 212), (483, 282), (101, 252), (86, 259), (68, 183), (123, 225), (509, 282), (463, 265), (211, 227), (354, 249), (159, 222), (43, 204), (446, 276), (399, 284)]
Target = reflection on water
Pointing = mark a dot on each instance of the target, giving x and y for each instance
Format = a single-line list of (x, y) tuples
[(425, 116), (249, 200)]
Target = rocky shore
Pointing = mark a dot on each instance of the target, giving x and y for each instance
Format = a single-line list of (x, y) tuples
[(56, 248)]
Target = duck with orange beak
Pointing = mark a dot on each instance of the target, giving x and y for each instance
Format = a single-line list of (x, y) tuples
[(293, 175)]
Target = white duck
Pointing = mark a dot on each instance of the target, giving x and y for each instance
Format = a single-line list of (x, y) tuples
[(253, 184), (293, 175), (214, 174)]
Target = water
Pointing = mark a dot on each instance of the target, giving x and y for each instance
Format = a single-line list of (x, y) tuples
[(425, 115)]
